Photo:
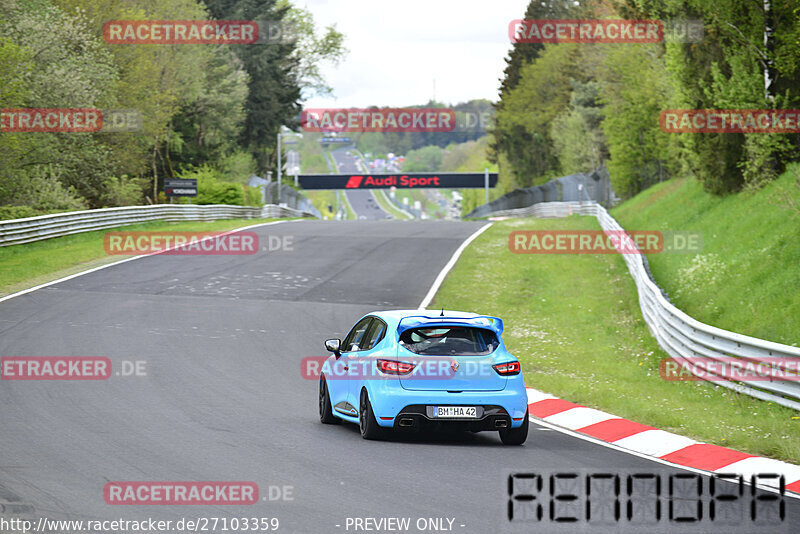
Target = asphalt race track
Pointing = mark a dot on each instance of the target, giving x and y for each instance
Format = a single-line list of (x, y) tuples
[(361, 200), (223, 398)]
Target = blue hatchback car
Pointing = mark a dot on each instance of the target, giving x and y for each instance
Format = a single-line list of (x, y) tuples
[(417, 368)]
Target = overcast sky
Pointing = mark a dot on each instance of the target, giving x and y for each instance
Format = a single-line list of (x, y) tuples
[(397, 50)]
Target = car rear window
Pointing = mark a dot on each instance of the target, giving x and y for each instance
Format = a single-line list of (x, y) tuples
[(450, 341)]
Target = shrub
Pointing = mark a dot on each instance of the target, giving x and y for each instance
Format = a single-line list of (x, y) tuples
[(212, 190), (122, 191)]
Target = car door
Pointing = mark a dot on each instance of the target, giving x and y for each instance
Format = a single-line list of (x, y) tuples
[(362, 360), (341, 400)]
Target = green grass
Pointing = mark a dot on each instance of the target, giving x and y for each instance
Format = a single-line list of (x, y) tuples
[(324, 198), (350, 214), (321, 200), (387, 205), (30, 264), (331, 162), (312, 156), (747, 277), (431, 209), (574, 322)]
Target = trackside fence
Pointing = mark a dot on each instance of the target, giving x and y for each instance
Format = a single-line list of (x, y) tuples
[(16, 231), (684, 338)]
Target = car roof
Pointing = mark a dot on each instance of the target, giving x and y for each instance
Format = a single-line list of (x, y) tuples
[(396, 315), (393, 318)]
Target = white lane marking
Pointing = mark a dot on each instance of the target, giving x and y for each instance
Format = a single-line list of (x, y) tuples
[(446, 269), (534, 395), (758, 465), (344, 194), (70, 277), (655, 442), (579, 417)]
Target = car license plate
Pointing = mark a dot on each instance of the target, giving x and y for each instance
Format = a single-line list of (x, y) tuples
[(455, 411)]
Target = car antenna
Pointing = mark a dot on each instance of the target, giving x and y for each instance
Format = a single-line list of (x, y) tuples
[(442, 314)]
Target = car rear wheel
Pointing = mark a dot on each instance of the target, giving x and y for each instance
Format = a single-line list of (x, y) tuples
[(516, 436), (325, 412), (366, 419)]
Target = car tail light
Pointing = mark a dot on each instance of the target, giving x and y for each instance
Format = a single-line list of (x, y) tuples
[(507, 369), (391, 367)]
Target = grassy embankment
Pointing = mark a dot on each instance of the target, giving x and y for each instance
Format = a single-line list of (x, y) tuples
[(574, 320)]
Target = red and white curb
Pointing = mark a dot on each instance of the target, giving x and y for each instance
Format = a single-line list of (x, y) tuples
[(648, 441)]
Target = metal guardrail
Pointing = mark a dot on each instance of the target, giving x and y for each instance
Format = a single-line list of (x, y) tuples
[(287, 197), (593, 186), (17, 231), (680, 335), (411, 213)]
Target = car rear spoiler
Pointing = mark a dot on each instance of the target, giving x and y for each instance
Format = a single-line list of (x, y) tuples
[(494, 324)]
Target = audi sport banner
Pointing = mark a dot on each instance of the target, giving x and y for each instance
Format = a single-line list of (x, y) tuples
[(455, 180)]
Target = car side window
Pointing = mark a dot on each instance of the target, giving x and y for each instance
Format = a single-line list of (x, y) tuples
[(353, 340), (375, 335)]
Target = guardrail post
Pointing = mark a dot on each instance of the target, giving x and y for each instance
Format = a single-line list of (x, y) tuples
[(486, 183)]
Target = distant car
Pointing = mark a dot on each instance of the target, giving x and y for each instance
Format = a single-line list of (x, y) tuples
[(418, 369)]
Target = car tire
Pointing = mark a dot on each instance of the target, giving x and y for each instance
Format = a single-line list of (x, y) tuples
[(325, 411), (516, 436), (366, 419)]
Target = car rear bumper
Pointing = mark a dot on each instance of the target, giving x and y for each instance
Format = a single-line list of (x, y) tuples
[(418, 416), (389, 402)]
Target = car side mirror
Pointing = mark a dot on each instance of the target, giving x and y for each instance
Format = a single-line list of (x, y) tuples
[(334, 346)]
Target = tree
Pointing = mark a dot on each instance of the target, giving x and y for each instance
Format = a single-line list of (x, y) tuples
[(274, 77), (634, 88), (522, 130), (578, 138), (311, 50), (427, 159), (523, 53), (748, 59), (62, 66), (207, 129)]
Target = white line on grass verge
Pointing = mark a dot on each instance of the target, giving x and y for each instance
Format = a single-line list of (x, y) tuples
[(443, 273)]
